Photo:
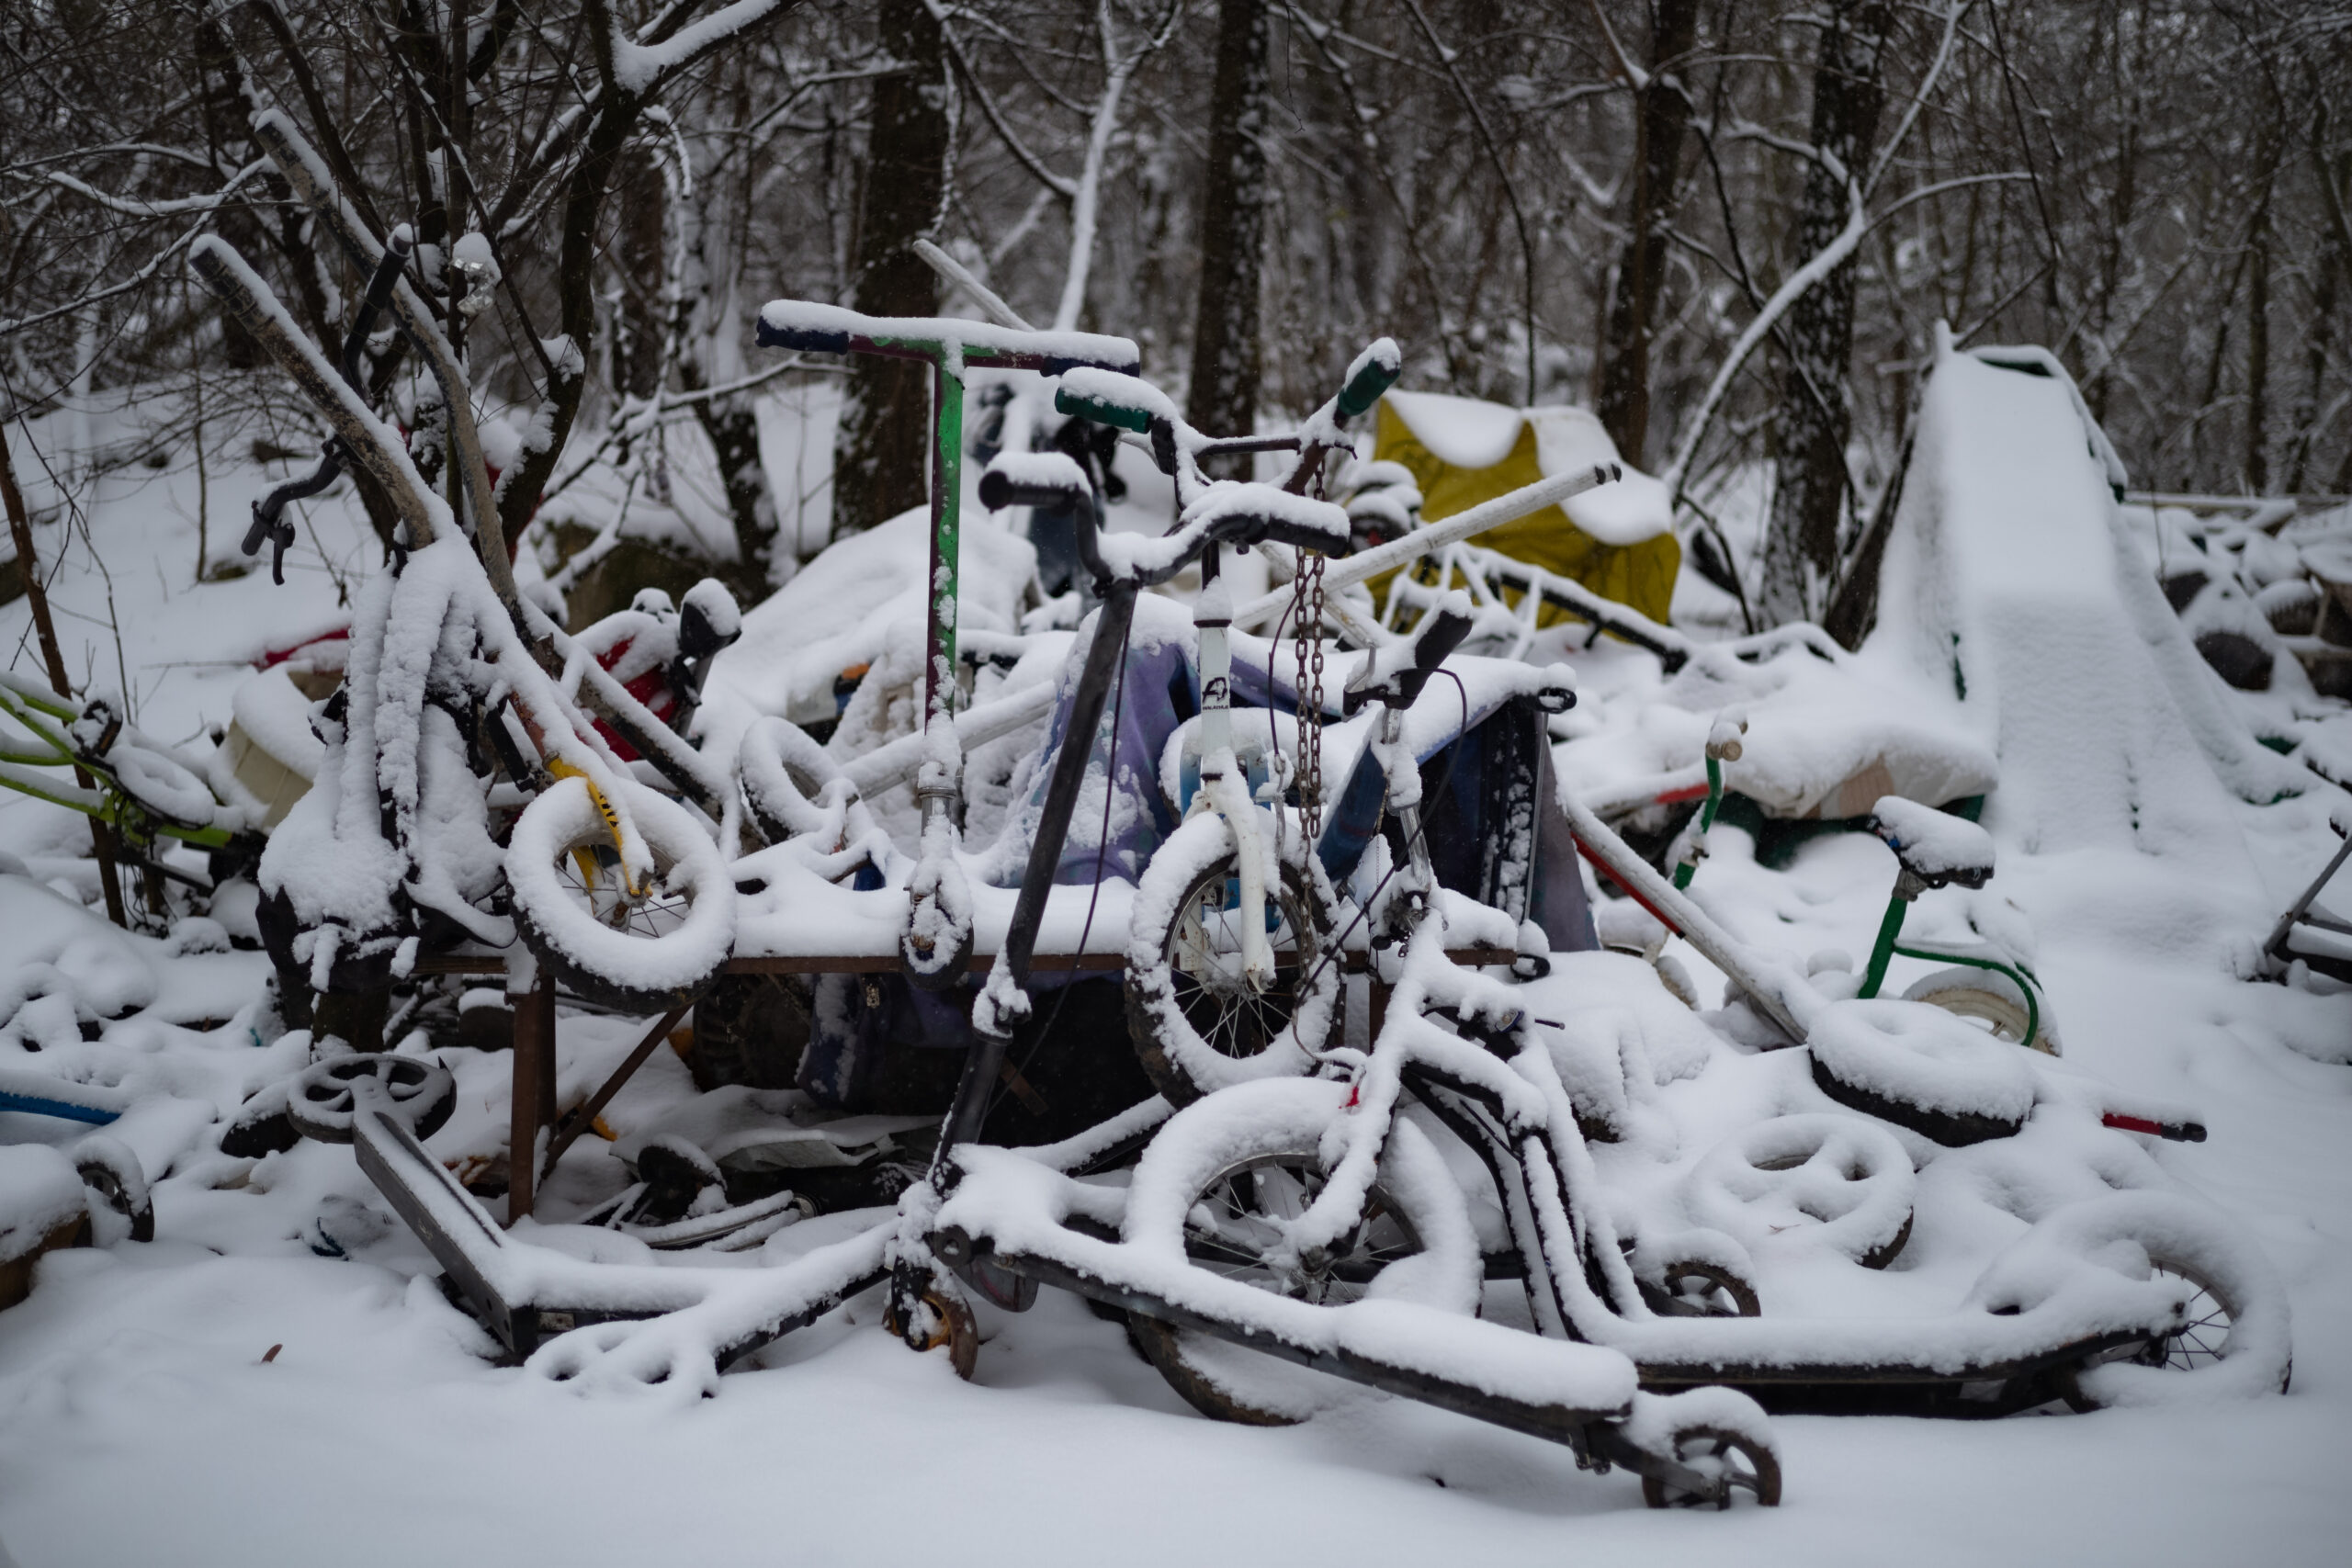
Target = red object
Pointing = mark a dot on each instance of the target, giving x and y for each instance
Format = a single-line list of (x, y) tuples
[(652, 688), (1676, 796), (1634, 893), (2178, 1132), (273, 657)]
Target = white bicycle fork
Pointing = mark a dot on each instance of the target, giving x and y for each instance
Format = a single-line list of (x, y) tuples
[(1224, 788)]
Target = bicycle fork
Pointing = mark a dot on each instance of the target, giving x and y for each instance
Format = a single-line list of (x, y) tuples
[(1223, 787)]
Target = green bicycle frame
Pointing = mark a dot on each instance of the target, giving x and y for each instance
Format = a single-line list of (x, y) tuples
[(1889, 943), (34, 710)]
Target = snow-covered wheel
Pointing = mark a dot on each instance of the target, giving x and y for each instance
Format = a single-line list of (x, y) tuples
[(1230, 1187), (1824, 1181), (1991, 998), (1923, 1068), (1734, 1462), (2234, 1335), (112, 1171), (603, 945), (785, 773), (1696, 1286), (1198, 1024), (327, 1097)]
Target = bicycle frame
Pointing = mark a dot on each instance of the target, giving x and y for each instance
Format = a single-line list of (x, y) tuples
[(139, 821)]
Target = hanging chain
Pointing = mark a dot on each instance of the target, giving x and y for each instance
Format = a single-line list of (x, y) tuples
[(1310, 711)]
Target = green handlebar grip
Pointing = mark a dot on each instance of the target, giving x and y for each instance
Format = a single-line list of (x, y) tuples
[(1375, 373), (1102, 410)]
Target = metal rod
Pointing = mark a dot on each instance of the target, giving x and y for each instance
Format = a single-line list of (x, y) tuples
[(534, 1058), (583, 1119)]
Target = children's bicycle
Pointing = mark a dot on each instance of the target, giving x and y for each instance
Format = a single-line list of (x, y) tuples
[(146, 790)]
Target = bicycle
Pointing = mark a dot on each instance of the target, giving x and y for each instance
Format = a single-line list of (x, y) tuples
[(146, 790)]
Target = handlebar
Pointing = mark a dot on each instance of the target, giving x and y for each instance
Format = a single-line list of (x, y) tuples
[(1130, 404), (1225, 513), (1374, 371), (270, 522)]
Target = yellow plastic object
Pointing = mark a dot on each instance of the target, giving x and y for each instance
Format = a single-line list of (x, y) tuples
[(1641, 575), (581, 858)]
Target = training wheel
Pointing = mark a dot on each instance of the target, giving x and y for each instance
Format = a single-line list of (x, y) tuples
[(112, 1171), (418, 1094), (1732, 1461)]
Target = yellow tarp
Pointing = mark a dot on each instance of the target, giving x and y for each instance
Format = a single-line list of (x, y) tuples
[(1641, 575)]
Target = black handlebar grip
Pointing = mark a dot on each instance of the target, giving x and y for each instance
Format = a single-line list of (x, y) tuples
[(801, 340), (255, 534), (998, 491)]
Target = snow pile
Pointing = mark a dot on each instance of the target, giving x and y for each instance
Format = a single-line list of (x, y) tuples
[(860, 603), (38, 1193), (2009, 577)]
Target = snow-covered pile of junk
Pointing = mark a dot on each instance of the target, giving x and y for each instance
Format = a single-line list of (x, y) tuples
[(1381, 922)]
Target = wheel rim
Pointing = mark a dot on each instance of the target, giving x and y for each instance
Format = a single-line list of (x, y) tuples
[(1706, 1290), (590, 876), (2203, 1337), (1203, 953), (1727, 1459), (1241, 1221)]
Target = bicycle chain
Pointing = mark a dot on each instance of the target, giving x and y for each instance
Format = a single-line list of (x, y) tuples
[(1307, 624), (1310, 726)]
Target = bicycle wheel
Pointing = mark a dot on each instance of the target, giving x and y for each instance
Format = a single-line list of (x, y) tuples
[(1237, 1222), (639, 954), (1989, 997), (1197, 1021)]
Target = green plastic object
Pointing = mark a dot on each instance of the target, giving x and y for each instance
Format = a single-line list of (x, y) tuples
[(1363, 388), (1102, 410)]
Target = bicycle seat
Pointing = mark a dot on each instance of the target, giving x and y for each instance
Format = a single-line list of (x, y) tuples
[(1933, 846)]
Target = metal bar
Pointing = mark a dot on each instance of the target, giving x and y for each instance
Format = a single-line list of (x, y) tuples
[(2287, 921), (1553, 1423), (946, 514), (534, 1018), (878, 963), (580, 1120), (1436, 535)]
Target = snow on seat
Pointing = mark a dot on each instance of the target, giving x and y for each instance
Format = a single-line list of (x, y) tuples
[(1934, 846), (1922, 1068)]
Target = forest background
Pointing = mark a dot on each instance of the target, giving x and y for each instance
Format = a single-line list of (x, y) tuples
[(1725, 226)]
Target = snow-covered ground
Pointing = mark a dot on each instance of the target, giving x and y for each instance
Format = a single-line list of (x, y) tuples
[(140, 1421)]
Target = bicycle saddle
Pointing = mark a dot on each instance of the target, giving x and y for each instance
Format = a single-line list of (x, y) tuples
[(1933, 846)]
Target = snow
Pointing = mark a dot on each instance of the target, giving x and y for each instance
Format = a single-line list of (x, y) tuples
[(960, 339), (854, 606), (1469, 434), (1916, 1055), (1933, 843), (39, 1192), (134, 1358), (1807, 1181)]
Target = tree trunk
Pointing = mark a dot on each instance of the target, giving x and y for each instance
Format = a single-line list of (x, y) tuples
[(1661, 116), (1223, 398), (638, 337), (1809, 481), (881, 457)]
